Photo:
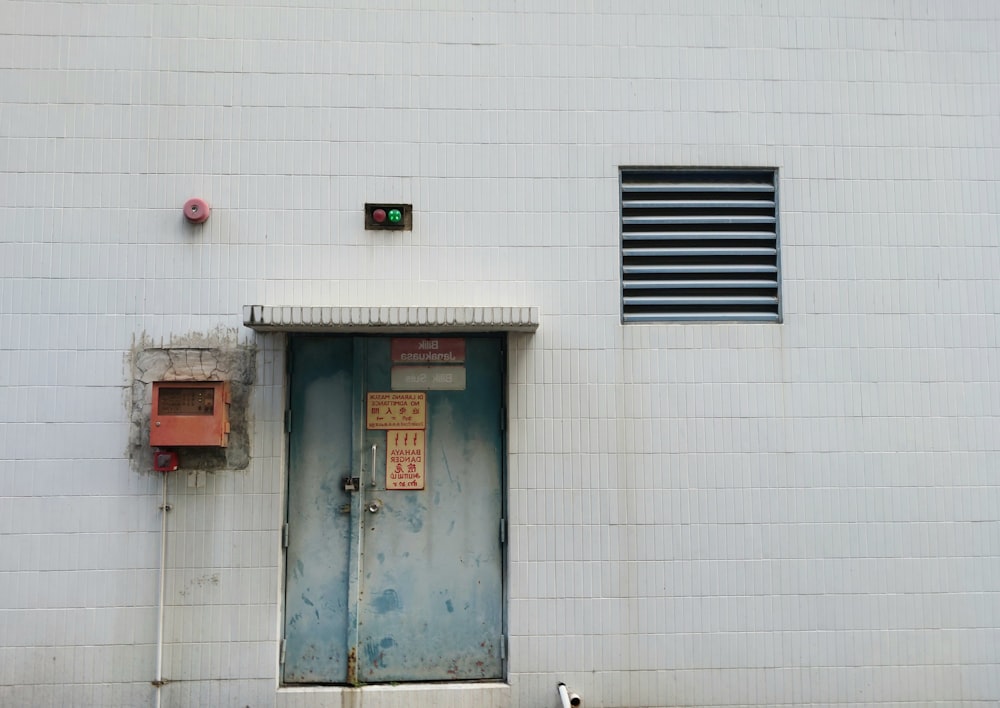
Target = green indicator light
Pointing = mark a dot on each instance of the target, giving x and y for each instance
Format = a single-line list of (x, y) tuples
[(395, 216)]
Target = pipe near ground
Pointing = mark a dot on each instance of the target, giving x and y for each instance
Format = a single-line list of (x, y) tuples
[(568, 699)]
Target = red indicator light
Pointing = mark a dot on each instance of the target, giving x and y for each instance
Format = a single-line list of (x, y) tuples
[(378, 216), (164, 460)]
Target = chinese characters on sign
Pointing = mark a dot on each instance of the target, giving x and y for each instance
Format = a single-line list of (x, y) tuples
[(404, 461), (397, 410), (404, 416)]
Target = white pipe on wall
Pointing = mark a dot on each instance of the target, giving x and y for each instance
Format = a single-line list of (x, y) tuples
[(568, 700), (164, 508)]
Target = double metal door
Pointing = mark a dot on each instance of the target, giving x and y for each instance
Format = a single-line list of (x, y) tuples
[(394, 547)]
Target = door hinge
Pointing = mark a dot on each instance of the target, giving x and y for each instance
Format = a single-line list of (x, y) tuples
[(503, 419), (288, 420), (503, 646), (503, 531), (281, 652), (284, 535)]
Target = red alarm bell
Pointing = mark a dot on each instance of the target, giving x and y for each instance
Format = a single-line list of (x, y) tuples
[(197, 211)]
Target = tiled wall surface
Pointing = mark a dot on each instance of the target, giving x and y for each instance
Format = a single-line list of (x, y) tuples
[(703, 515)]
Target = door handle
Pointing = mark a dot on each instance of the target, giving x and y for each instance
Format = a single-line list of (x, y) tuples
[(374, 450), (374, 505)]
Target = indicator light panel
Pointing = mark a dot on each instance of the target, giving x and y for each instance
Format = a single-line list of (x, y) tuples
[(389, 217)]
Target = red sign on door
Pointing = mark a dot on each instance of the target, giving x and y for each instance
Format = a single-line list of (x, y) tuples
[(437, 350)]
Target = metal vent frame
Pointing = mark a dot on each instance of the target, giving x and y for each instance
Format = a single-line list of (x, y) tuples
[(699, 245)]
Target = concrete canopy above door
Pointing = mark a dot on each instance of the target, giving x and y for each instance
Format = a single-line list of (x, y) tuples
[(390, 320)]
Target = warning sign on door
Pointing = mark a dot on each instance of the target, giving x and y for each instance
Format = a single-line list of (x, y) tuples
[(404, 461), (397, 410)]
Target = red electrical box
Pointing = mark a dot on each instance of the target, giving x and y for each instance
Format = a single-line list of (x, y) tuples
[(190, 413)]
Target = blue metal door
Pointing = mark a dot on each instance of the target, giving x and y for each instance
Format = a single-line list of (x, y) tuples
[(321, 537), (387, 583)]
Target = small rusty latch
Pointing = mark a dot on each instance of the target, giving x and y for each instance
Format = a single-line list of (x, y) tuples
[(352, 484)]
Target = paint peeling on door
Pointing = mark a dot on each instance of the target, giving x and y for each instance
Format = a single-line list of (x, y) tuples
[(387, 601)]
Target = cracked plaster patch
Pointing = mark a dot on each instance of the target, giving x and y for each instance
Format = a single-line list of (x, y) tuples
[(225, 362)]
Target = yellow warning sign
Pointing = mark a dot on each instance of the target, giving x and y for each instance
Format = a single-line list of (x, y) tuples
[(397, 410), (404, 461)]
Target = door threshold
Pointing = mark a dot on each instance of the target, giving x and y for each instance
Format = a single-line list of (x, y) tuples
[(495, 694)]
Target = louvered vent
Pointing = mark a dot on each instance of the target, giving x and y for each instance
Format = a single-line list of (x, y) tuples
[(699, 245)]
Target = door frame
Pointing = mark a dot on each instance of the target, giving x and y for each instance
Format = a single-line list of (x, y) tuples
[(502, 339)]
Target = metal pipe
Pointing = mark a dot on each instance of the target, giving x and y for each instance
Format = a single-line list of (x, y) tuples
[(568, 700), (164, 508)]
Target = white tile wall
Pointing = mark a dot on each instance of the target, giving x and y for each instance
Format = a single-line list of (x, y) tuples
[(724, 515)]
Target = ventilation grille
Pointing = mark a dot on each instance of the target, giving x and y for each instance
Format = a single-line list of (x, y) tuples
[(699, 245)]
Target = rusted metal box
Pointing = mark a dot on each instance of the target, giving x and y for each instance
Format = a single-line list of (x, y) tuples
[(190, 413)]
